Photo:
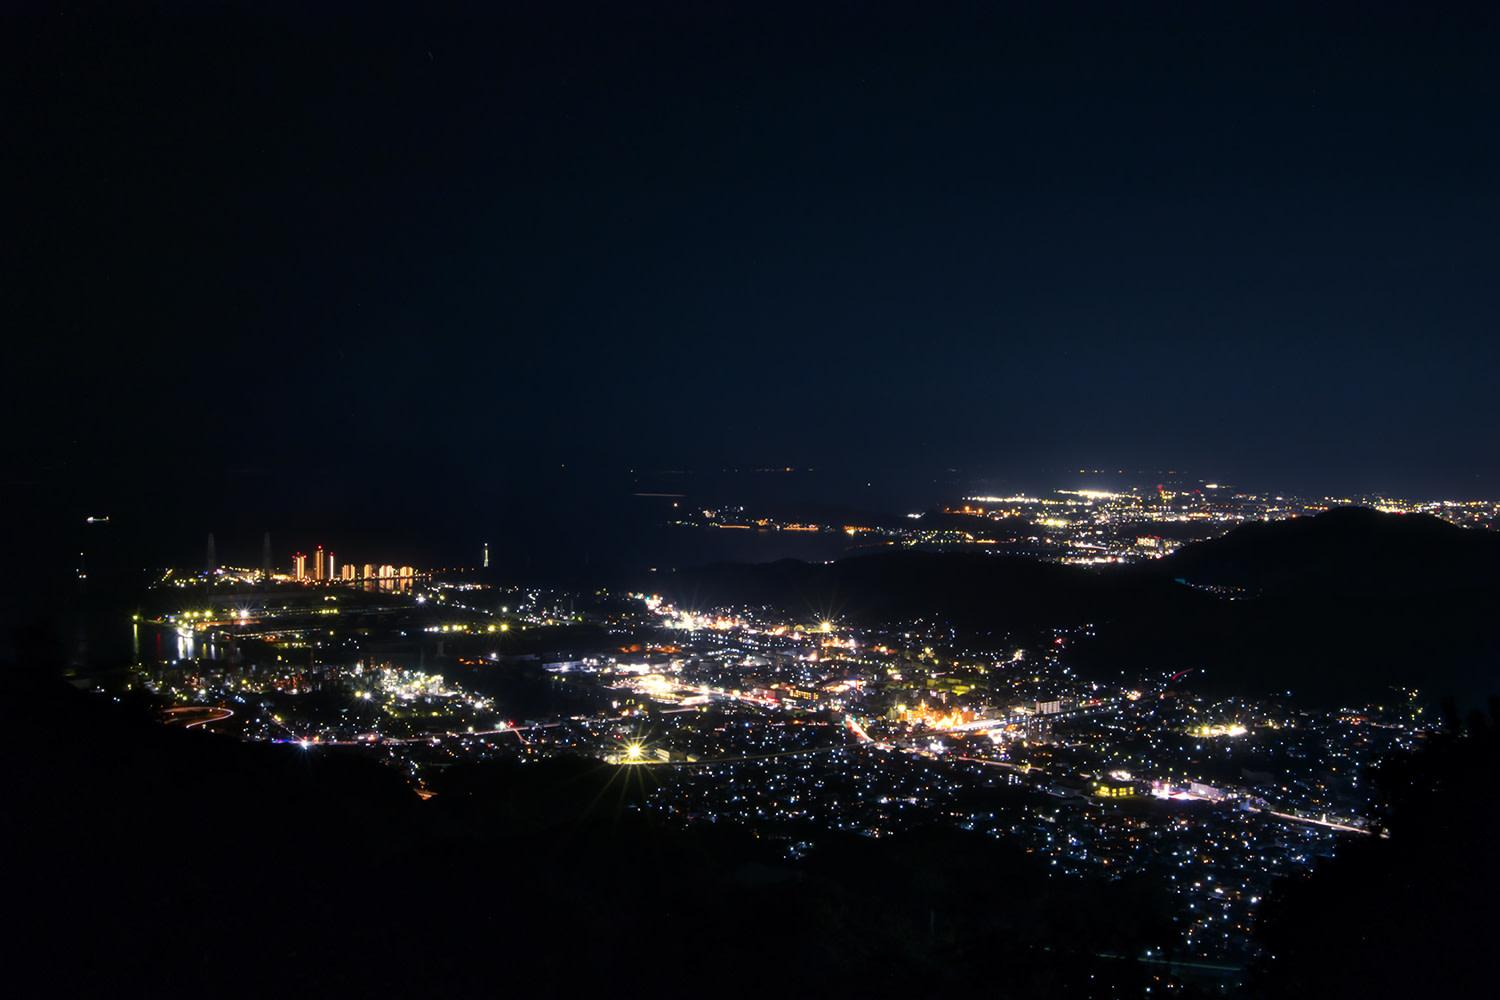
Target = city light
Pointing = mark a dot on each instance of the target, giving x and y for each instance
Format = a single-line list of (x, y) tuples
[(780, 715)]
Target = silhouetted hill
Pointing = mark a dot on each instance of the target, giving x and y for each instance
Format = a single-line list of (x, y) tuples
[(1337, 608), (973, 593), (1346, 547)]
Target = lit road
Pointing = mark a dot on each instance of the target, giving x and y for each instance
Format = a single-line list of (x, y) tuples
[(1315, 822), (209, 713)]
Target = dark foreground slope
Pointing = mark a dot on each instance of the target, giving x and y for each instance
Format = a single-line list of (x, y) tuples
[(143, 860), (1414, 914)]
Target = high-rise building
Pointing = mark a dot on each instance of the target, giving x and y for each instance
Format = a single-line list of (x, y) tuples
[(212, 560), (299, 562), (347, 574), (319, 568), (486, 555), (333, 573)]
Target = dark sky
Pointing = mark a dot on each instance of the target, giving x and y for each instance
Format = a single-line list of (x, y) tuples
[(278, 269)]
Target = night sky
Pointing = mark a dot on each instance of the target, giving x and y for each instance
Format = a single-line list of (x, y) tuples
[(420, 273)]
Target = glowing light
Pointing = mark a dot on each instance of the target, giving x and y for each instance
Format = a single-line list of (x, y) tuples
[(1220, 730)]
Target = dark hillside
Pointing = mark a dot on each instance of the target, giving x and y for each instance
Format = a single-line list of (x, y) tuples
[(973, 593), (1348, 548), (1335, 608), (155, 861)]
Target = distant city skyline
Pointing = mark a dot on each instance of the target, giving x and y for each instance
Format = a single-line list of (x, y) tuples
[(617, 511)]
